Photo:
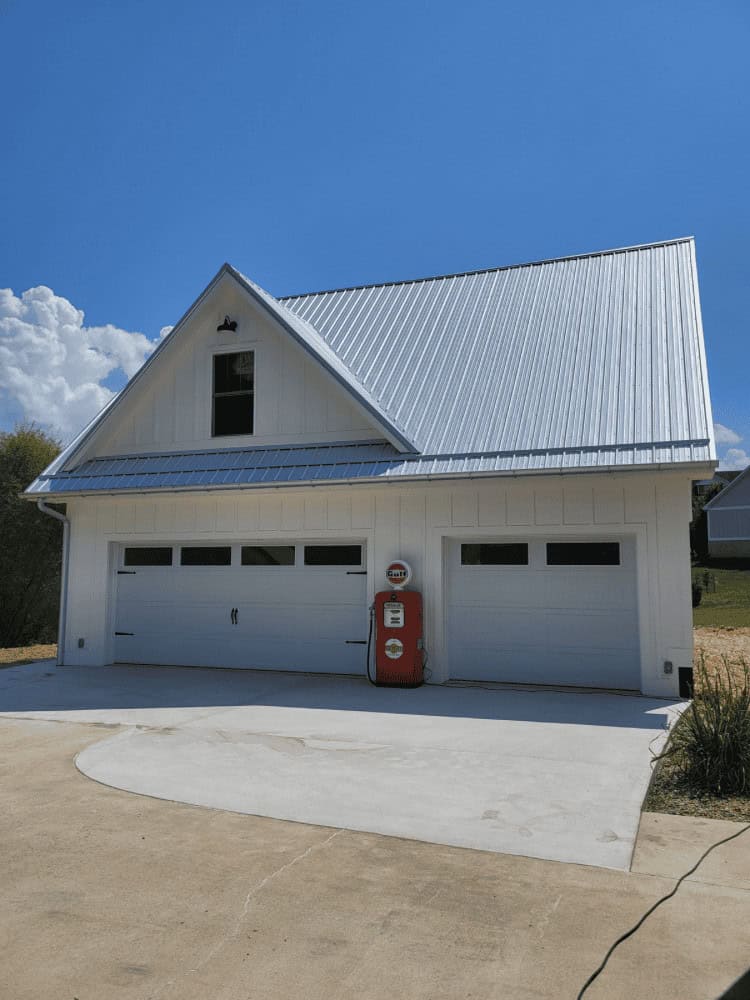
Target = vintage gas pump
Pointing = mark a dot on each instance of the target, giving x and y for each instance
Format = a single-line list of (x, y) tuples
[(396, 625)]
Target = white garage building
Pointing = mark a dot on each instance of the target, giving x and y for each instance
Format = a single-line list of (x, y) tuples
[(525, 437)]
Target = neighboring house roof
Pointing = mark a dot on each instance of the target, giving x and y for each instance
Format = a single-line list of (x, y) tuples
[(736, 494), (720, 478), (588, 362)]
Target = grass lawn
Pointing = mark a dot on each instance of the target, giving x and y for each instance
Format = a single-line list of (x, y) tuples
[(13, 656), (729, 605)]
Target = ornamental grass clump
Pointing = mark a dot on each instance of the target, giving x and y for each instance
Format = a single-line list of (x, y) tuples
[(709, 749)]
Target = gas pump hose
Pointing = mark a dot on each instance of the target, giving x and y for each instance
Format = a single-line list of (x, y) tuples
[(369, 645)]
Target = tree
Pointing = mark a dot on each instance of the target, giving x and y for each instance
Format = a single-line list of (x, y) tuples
[(31, 546)]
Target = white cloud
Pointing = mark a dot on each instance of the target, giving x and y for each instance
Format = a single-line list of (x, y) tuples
[(52, 366), (725, 435), (735, 458)]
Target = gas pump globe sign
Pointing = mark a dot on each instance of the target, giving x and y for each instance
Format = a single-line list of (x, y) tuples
[(398, 574)]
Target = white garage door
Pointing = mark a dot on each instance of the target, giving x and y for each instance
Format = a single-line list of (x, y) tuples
[(552, 611), (280, 606)]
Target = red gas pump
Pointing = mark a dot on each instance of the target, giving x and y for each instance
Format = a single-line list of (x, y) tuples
[(396, 621)]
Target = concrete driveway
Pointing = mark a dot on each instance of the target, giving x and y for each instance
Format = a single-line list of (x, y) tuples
[(544, 774), (118, 896)]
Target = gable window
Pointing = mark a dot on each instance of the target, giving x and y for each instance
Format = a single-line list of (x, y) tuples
[(233, 394)]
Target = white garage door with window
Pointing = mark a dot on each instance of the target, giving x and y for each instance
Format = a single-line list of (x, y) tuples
[(553, 611), (280, 606)]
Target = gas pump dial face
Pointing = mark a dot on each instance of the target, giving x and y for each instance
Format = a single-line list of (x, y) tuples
[(394, 648)]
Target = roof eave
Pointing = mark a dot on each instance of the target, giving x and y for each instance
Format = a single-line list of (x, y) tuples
[(691, 470)]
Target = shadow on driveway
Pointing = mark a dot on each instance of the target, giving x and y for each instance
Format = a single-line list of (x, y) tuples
[(45, 688)]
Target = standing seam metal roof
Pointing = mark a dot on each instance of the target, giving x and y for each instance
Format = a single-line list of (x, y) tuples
[(570, 353)]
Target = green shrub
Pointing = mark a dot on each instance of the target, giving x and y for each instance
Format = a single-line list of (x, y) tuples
[(709, 747)]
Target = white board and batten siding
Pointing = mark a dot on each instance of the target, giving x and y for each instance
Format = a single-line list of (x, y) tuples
[(423, 523)]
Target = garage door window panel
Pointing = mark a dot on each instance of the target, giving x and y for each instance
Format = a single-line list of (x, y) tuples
[(206, 555), (148, 556), (268, 555), (333, 555), (495, 554), (583, 553)]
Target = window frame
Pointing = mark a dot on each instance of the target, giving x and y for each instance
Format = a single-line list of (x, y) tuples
[(221, 352)]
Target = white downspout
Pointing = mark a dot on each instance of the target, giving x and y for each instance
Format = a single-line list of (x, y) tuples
[(64, 578)]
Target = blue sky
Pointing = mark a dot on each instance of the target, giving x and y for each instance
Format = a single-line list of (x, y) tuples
[(319, 145)]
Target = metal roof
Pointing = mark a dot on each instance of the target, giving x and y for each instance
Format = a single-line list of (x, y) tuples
[(311, 341), (594, 351), (366, 461), (589, 362)]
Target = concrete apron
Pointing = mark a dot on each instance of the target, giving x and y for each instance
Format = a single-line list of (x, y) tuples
[(538, 773)]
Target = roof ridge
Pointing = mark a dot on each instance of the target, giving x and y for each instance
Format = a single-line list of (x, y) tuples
[(488, 270)]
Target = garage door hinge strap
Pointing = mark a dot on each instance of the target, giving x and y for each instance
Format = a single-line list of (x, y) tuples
[(355, 642), (126, 572), (124, 633), (356, 572)]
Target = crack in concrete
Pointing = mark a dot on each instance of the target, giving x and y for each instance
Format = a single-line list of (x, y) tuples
[(233, 933), (547, 914)]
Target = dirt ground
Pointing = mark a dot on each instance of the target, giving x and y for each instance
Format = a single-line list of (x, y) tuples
[(13, 655), (716, 643)]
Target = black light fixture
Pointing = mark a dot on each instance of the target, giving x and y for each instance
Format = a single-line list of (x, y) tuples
[(229, 325)]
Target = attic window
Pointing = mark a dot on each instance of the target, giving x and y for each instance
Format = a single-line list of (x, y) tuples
[(233, 394)]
